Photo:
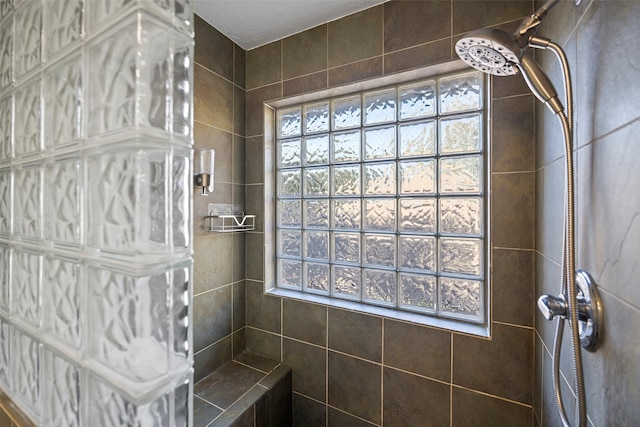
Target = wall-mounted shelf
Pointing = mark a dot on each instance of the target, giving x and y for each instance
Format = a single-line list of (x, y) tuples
[(227, 223)]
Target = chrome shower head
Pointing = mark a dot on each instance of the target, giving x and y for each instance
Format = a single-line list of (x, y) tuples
[(490, 51)]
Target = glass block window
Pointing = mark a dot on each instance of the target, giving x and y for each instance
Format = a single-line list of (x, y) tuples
[(381, 197)]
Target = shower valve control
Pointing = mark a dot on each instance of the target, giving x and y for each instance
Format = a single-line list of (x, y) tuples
[(551, 306)]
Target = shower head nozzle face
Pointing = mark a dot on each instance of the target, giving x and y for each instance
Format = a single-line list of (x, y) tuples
[(490, 51)]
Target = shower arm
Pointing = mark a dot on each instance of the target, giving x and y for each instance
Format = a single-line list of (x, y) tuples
[(528, 27)]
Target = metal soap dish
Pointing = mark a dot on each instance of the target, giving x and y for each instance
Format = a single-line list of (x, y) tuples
[(230, 222)]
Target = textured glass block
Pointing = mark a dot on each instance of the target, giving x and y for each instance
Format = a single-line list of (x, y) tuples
[(290, 213), (380, 250), (379, 107), (380, 214), (418, 100), (26, 287), (62, 300), (380, 178), (380, 285), (289, 153), (316, 181), (316, 245), (290, 273), (27, 208), (461, 175), (461, 256), (316, 118), (6, 124), (346, 214), (417, 139), (418, 252), (346, 180), (289, 183), (316, 149), (5, 8), (289, 122), (346, 146), (417, 290), (461, 215), (460, 135), (460, 93), (62, 201), (347, 282), (60, 391), (316, 277), (316, 213), (182, 94), (6, 54), (418, 215), (101, 10), (290, 243), (5, 201), (417, 177), (181, 201), (380, 143), (461, 298), (63, 24), (346, 247), (5, 277), (27, 136), (28, 44), (63, 103), (5, 354), (25, 370), (346, 112), (180, 316)]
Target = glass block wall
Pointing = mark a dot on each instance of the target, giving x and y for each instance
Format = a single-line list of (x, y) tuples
[(95, 211)]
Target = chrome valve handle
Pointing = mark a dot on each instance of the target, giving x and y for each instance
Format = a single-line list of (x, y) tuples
[(551, 306)]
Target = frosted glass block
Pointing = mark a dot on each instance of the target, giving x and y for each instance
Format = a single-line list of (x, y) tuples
[(289, 122), (63, 103), (26, 287), (5, 354), (289, 153), (346, 112), (182, 94), (418, 291), (290, 273), (5, 8), (417, 139), (25, 371), (346, 180), (316, 118), (6, 201), (380, 107), (417, 252), (347, 282), (6, 54), (380, 143), (180, 316), (27, 136), (316, 245), (27, 208), (380, 286), (460, 93), (316, 149), (460, 135), (380, 249), (289, 183), (101, 10), (182, 9), (60, 391), (290, 213), (62, 201), (461, 175), (5, 278), (461, 256), (181, 200), (6, 124), (380, 178), (289, 243), (28, 40), (461, 215), (346, 247), (316, 277), (380, 214), (461, 298), (316, 213), (418, 100), (346, 146), (418, 215), (346, 214), (63, 300), (417, 177), (63, 24), (316, 181)]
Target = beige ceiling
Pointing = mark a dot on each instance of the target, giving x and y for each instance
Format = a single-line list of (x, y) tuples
[(253, 23)]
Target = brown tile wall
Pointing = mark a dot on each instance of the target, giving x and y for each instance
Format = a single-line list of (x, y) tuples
[(357, 369)]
